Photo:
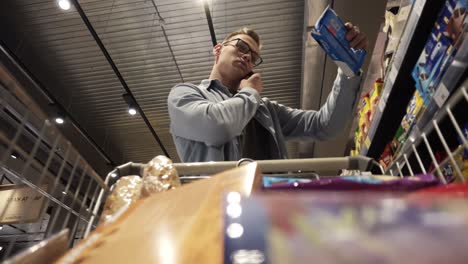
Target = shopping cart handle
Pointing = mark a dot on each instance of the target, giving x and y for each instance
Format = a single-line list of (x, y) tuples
[(361, 163), (129, 168)]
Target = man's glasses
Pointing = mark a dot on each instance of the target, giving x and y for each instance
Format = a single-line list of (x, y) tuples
[(243, 47)]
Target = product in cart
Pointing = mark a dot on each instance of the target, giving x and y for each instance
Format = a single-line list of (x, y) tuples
[(362, 183), (339, 228), (123, 193), (158, 175)]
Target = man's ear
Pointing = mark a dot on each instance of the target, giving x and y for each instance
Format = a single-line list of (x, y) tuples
[(217, 49)]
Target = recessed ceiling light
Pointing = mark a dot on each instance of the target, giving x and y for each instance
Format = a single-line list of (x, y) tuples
[(59, 120), (13, 156), (64, 4), (64, 192)]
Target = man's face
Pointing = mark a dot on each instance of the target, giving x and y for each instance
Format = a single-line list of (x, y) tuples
[(231, 61)]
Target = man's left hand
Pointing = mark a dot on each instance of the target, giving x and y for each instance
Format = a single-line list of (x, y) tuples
[(357, 39)]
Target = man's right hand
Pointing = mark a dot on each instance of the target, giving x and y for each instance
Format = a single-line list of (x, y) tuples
[(255, 81)]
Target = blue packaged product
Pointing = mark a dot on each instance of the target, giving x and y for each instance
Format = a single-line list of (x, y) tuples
[(330, 33), (440, 48)]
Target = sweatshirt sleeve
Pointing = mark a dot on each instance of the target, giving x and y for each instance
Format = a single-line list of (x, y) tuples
[(330, 120), (196, 118)]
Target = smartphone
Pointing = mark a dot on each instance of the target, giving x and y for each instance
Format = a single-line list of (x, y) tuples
[(248, 75)]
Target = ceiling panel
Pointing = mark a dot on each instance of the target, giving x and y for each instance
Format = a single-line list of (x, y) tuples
[(69, 62)]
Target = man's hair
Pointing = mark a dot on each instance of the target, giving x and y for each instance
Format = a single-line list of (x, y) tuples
[(245, 31)]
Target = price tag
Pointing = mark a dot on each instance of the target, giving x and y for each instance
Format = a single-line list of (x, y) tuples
[(393, 74), (367, 142), (403, 13), (418, 7), (381, 105), (441, 95)]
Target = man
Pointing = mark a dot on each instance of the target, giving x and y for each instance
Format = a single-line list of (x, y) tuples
[(224, 118)]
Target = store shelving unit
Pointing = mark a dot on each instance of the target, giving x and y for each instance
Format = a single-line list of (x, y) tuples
[(46, 185), (443, 133), (399, 85)]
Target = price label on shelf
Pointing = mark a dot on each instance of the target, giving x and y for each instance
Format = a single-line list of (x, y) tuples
[(393, 74), (404, 13), (418, 7), (441, 95), (381, 105), (367, 142)]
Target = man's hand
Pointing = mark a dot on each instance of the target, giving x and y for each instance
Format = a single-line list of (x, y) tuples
[(357, 39), (255, 81)]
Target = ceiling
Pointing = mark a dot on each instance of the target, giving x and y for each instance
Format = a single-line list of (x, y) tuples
[(156, 44)]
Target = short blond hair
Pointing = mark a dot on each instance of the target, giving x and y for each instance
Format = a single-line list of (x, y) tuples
[(245, 31)]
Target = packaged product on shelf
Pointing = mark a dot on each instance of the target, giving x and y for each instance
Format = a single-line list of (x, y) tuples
[(330, 33), (460, 140), (447, 169), (462, 158), (358, 140), (395, 20), (375, 97), (412, 111), (387, 156), (462, 163), (446, 36), (399, 139), (364, 116)]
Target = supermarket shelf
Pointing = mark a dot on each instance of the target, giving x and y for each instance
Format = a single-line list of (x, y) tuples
[(451, 80), (442, 133), (399, 85)]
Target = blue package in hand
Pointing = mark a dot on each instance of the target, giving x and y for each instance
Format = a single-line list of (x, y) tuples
[(330, 33)]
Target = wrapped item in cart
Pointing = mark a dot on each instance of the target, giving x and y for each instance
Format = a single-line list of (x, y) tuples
[(158, 175), (345, 228), (361, 183)]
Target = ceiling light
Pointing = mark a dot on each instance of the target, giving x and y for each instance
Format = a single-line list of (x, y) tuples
[(1, 227), (1, 248), (64, 192), (13, 156), (132, 111), (113, 175), (59, 120), (64, 4)]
